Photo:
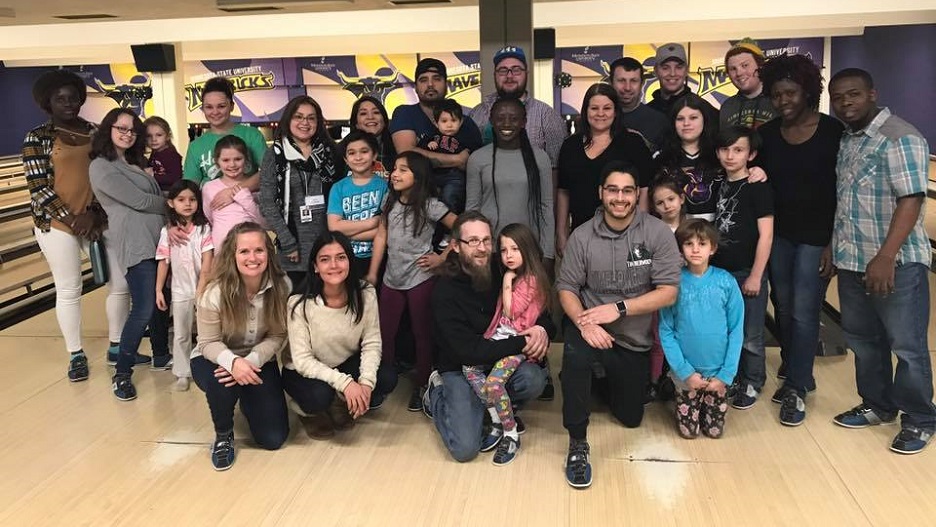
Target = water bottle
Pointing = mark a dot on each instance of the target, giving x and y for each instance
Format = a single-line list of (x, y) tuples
[(98, 262)]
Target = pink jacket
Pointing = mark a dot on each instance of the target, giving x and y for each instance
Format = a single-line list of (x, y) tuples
[(526, 309)]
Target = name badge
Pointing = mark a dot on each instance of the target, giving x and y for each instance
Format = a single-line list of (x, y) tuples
[(305, 214), (315, 201)]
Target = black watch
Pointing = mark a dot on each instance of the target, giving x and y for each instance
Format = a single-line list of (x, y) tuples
[(621, 307)]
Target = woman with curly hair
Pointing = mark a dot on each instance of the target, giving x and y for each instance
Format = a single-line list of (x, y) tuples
[(799, 153), (241, 327)]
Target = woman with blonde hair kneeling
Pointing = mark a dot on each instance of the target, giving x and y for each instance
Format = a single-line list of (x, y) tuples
[(241, 326)]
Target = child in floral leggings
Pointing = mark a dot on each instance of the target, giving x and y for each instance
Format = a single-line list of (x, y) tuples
[(702, 334)]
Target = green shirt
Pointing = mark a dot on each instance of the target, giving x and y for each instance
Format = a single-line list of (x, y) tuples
[(199, 158)]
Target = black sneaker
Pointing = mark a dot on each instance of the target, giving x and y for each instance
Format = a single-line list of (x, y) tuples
[(745, 397), (549, 391), (578, 467), (161, 362), (910, 440), (123, 387), (507, 450), (792, 409), (222, 452), (416, 400), (863, 416), (521, 427), (376, 401), (78, 367), (492, 438)]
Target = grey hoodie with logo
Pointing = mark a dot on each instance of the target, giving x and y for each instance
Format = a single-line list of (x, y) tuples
[(603, 266)]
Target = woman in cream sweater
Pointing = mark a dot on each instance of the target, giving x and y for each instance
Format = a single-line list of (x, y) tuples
[(332, 369)]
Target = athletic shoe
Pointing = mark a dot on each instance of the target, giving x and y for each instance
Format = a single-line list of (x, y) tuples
[(161, 362), (113, 353), (507, 450), (435, 379), (745, 397), (222, 452), (862, 416), (376, 401), (549, 391), (911, 440), (123, 387), (415, 401), (78, 367), (778, 395), (521, 426), (578, 468), (792, 409), (492, 438)]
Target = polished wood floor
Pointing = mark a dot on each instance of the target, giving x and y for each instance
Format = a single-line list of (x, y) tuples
[(73, 455)]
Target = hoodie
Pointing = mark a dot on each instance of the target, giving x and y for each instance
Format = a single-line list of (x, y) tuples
[(603, 266)]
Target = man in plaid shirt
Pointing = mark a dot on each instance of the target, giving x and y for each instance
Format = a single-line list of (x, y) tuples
[(882, 254)]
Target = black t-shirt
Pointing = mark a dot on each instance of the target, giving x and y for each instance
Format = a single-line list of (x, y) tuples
[(740, 205), (803, 180), (699, 185), (579, 175)]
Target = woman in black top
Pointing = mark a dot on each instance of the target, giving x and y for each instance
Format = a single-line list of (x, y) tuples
[(799, 154), (601, 139), (369, 115)]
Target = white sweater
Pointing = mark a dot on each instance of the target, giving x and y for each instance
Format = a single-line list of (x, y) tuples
[(330, 337)]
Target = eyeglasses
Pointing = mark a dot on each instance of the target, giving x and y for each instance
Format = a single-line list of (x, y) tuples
[(310, 119), (616, 191), (125, 131), (503, 72), (474, 243)]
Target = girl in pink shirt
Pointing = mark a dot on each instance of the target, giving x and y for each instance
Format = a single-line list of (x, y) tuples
[(230, 154)]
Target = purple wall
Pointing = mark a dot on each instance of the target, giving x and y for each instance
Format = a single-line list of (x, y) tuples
[(20, 113), (902, 60)]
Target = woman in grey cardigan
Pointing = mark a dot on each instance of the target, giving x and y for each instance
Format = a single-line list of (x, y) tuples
[(295, 177), (134, 207)]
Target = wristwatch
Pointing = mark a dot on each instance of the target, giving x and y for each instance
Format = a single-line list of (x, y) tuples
[(621, 307)]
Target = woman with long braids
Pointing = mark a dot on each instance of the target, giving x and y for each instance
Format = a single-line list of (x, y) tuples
[(510, 180)]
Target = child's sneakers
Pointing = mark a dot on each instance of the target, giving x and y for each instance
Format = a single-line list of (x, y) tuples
[(493, 437), (222, 452), (78, 367), (578, 466), (123, 387), (745, 397), (792, 409), (507, 450)]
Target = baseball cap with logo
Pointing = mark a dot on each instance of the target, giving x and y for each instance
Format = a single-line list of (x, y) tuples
[(670, 51), (507, 52)]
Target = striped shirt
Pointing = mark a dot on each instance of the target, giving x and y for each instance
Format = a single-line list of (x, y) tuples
[(876, 166), (544, 125)]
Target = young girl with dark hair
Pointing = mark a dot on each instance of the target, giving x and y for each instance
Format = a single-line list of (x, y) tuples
[(190, 264), (231, 156), (405, 233), (332, 367)]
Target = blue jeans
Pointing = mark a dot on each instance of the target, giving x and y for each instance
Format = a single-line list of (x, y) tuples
[(458, 413), (141, 280), (797, 294), (875, 326), (752, 368)]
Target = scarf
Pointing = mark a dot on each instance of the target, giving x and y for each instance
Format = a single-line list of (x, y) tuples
[(287, 156)]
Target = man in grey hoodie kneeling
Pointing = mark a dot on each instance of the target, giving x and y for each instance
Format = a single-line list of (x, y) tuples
[(617, 270)]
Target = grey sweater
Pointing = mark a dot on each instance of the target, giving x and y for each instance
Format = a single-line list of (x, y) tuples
[(602, 266), (134, 207)]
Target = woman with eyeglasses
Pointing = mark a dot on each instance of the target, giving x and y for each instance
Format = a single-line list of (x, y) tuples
[(65, 212), (296, 176), (134, 206)]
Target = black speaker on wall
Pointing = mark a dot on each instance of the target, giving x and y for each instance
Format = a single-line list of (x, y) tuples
[(157, 58), (544, 43)]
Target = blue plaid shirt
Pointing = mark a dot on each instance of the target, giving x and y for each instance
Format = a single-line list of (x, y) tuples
[(887, 160)]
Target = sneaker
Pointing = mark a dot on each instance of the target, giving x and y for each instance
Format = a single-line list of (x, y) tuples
[(578, 467), (415, 401), (521, 426), (778, 395), (911, 440), (161, 362), (376, 401), (549, 391), (113, 353), (745, 397), (222, 452), (181, 384), (792, 409), (78, 367), (862, 416), (123, 387), (507, 450), (492, 438)]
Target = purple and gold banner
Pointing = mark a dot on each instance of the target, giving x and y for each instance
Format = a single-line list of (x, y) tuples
[(578, 68), (261, 87)]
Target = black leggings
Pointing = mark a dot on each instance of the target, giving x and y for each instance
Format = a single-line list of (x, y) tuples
[(264, 405)]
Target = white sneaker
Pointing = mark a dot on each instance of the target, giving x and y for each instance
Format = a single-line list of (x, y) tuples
[(181, 384)]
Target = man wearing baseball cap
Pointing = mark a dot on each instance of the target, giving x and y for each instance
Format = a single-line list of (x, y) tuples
[(672, 69), (544, 127), (750, 107), (413, 123)]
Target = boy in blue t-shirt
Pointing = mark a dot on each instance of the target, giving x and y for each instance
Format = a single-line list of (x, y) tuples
[(702, 333), (354, 202), (744, 219)]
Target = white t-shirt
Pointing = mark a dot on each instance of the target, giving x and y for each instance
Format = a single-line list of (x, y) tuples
[(185, 260)]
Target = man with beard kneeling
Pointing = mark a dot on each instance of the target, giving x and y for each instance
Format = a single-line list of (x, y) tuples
[(463, 303)]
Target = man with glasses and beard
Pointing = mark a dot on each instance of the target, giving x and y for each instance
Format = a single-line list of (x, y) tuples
[(463, 304)]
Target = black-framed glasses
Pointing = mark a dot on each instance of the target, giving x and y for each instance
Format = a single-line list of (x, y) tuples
[(617, 191), (516, 70), (474, 243), (125, 131)]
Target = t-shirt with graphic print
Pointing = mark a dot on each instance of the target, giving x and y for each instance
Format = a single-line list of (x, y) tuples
[(199, 158), (740, 205), (699, 185), (353, 201)]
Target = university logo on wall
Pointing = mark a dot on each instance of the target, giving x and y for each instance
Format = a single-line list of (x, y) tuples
[(244, 79)]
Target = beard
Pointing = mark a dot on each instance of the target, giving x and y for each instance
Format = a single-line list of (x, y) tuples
[(480, 275), (516, 94)]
